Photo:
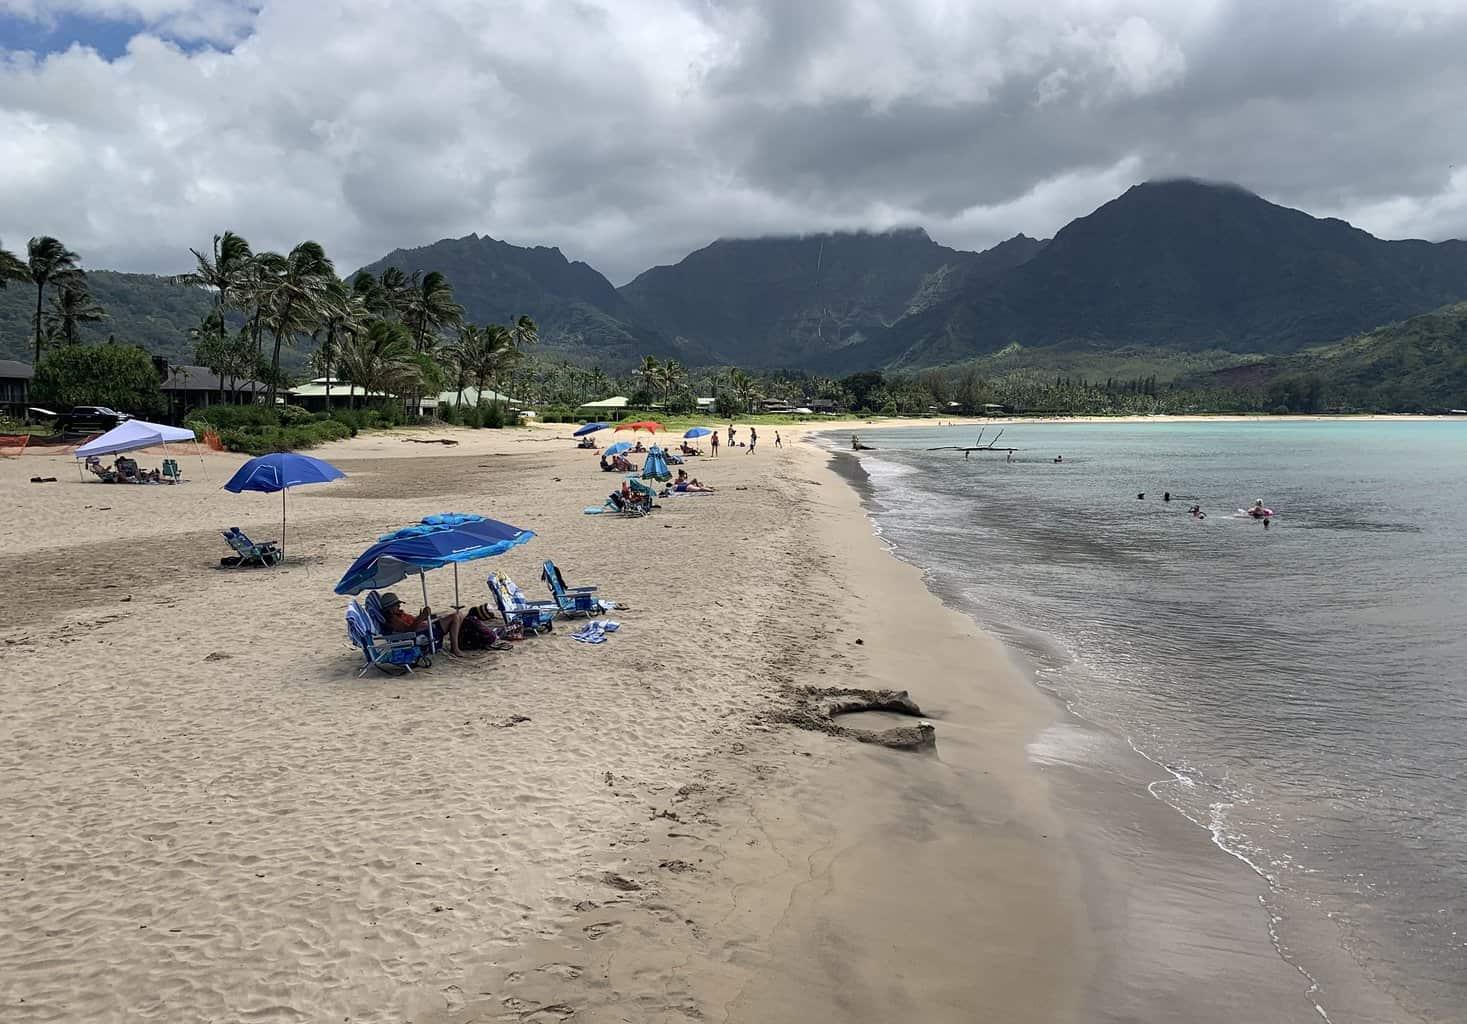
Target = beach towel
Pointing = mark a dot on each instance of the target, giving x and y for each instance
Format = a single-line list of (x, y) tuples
[(594, 632), (594, 510)]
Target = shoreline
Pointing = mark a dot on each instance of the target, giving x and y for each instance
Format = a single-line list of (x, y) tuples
[(1095, 766)]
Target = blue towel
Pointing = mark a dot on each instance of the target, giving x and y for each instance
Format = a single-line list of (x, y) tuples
[(594, 632)]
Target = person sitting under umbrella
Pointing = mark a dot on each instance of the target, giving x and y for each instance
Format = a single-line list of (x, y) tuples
[(445, 624)]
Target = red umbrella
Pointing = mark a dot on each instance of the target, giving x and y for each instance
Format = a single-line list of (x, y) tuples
[(650, 426)]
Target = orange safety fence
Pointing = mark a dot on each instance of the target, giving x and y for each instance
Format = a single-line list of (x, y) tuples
[(13, 444)]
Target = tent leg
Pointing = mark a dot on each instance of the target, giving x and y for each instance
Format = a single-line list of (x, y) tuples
[(203, 466)]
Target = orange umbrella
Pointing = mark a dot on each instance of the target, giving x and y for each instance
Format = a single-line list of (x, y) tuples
[(650, 426)]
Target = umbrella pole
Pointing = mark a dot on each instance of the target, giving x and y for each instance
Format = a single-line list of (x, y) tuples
[(203, 468), (422, 576), (282, 522), (456, 605)]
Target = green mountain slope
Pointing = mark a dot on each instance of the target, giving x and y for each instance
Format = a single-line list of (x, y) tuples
[(1416, 365), (580, 315), (142, 309), (792, 301), (1184, 265)]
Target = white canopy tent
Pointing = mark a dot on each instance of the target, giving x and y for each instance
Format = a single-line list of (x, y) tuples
[(135, 434)]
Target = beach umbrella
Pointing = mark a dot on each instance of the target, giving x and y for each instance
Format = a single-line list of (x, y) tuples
[(698, 432), (589, 428), (280, 471), (618, 448), (654, 467), (650, 426), (434, 542)]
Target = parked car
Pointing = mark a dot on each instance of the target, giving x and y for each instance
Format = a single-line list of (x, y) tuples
[(90, 418)]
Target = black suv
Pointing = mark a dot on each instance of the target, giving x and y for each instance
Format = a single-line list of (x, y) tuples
[(90, 418)]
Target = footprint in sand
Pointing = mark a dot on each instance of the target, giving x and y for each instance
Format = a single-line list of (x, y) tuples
[(596, 931), (567, 971)]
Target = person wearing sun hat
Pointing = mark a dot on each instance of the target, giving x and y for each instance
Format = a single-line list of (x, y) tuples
[(445, 624)]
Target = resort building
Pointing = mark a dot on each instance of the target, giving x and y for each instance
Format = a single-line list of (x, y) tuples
[(15, 387)]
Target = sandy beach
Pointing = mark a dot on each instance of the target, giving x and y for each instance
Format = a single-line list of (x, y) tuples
[(209, 816)]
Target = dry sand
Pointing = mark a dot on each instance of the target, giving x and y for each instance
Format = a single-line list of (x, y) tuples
[(208, 816)]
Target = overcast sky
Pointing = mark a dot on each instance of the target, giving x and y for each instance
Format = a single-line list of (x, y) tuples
[(629, 132)]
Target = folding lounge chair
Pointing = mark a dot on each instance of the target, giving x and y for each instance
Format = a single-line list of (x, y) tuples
[(170, 471), (534, 617), (247, 552), (614, 500), (646, 492), (384, 651), (570, 600)]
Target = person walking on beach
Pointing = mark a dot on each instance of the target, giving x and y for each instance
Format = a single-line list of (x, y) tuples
[(730, 435), (715, 445), (777, 442), (753, 440)]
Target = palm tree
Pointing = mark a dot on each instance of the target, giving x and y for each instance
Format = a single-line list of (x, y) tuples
[(369, 294), (12, 268), (429, 306), (395, 286), (650, 372), (225, 270), (340, 313), (294, 286), (47, 262), (379, 358), (69, 307), (523, 333), (464, 355)]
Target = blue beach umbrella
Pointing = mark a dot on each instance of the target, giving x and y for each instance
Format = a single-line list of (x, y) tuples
[(618, 448), (698, 432), (654, 467), (436, 541), (280, 471), (590, 428)]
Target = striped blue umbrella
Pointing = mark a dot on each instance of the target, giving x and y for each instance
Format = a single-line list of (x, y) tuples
[(590, 428), (618, 448), (698, 432)]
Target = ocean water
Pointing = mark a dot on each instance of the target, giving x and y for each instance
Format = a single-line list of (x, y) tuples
[(1300, 691)]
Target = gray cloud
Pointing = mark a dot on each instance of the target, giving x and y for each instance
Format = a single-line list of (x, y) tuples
[(631, 131)]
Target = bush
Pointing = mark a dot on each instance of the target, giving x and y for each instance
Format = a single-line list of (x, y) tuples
[(261, 440), (120, 376), (559, 414), (493, 415), (448, 413), (292, 415), (236, 416)]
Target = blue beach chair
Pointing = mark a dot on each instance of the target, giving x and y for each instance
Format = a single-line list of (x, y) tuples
[(533, 616), (247, 552), (569, 600), (385, 652)]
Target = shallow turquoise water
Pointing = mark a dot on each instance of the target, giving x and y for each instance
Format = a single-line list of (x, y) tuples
[(1302, 687)]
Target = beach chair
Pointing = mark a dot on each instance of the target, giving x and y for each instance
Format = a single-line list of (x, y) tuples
[(615, 501), (247, 552), (170, 471), (644, 491), (95, 467), (533, 617), (429, 645), (569, 600), (386, 652)]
